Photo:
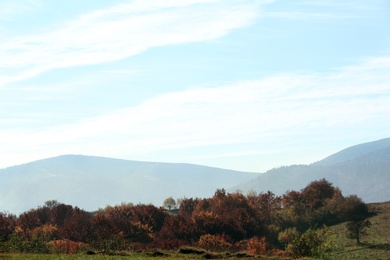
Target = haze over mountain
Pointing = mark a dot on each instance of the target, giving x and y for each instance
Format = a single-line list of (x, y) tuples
[(92, 182), (363, 170)]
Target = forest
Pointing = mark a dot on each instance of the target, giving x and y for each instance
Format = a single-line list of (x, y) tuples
[(292, 225)]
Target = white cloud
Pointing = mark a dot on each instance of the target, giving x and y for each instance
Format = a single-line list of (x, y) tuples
[(280, 107), (120, 32)]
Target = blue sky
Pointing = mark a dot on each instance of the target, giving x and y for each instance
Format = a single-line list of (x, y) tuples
[(245, 85)]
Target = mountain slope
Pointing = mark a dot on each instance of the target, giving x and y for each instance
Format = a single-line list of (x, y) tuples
[(93, 182), (363, 170), (355, 151)]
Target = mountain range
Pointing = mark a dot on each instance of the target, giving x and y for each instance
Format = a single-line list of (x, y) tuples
[(93, 182), (362, 169)]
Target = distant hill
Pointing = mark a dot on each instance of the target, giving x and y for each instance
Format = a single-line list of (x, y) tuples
[(92, 182), (356, 151), (363, 170)]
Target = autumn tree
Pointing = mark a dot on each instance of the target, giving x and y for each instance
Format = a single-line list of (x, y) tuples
[(7, 225), (317, 193), (268, 204), (229, 214), (187, 206)]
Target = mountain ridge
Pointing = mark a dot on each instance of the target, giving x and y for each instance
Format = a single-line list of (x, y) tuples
[(362, 169), (91, 182), (355, 151)]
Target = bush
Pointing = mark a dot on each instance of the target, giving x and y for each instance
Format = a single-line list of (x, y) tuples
[(257, 246), (288, 235), (18, 244), (214, 243), (313, 243)]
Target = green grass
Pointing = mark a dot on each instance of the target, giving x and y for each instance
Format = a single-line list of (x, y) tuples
[(169, 255), (375, 245)]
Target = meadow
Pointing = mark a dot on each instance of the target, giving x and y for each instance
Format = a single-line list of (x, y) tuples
[(375, 244)]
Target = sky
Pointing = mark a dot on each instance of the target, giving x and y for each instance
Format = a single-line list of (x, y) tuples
[(243, 85)]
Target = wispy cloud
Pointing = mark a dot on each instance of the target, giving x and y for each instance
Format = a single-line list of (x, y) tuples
[(10, 9), (277, 107), (120, 32), (328, 9)]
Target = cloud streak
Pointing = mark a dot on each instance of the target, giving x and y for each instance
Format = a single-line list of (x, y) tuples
[(121, 32), (276, 108)]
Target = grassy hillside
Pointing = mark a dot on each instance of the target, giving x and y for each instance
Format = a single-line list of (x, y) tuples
[(375, 244)]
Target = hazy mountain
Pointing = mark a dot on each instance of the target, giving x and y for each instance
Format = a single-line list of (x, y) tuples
[(92, 182), (356, 152), (363, 170)]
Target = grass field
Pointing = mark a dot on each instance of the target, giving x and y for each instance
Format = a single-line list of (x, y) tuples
[(375, 245)]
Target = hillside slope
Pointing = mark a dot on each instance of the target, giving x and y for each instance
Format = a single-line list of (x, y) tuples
[(363, 170), (355, 151), (376, 241), (93, 182)]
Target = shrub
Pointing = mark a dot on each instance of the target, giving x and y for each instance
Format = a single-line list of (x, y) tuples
[(257, 246), (19, 244), (288, 235), (214, 242), (313, 243), (46, 232)]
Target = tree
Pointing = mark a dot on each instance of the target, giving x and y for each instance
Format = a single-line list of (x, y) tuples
[(268, 204), (357, 228), (187, 206), (51, 203), (316, 193), (7, 225), (169, 203)]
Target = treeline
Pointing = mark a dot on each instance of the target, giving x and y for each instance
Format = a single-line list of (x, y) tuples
[(292, 224)]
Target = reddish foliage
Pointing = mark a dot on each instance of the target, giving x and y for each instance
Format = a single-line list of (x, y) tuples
[(7, 225), (215, 242), (214, 223), (257, 246), (77, 226), (316, 193), (187, 206)]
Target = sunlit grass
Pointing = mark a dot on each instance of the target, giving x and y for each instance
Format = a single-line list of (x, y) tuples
[(375, 244)]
